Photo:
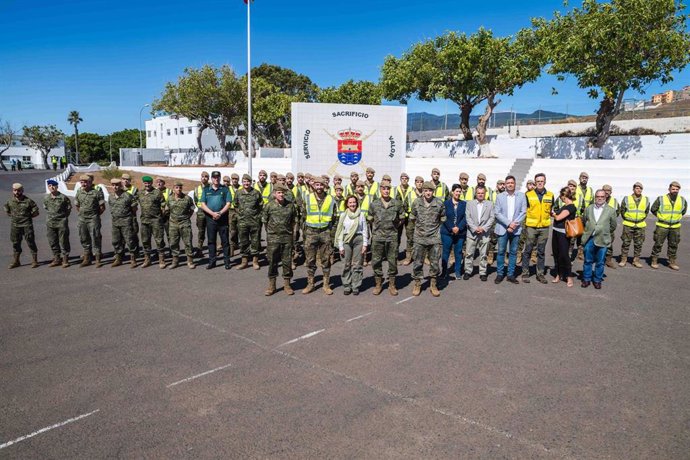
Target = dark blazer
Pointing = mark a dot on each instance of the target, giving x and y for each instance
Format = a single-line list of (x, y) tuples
[(455, 220)]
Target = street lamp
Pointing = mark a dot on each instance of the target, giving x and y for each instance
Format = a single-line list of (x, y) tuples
[(249, 87), (141, 142)]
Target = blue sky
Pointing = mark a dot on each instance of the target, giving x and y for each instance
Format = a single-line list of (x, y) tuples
[(107, 59)]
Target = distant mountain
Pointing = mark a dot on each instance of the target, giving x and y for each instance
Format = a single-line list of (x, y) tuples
[(422, 121)]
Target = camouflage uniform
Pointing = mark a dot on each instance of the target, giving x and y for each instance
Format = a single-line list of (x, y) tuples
[(279, 220), (122, 212), (385, 221), (89, 221), (200, 217), (427, 237), (152, 204), (132, 190), (633, 230), (181, 210), (233, 222), (317, 241), (58, 209), (22, 227), (249, 205)]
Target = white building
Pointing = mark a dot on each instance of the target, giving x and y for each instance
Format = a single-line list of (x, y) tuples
[(20, 152), (177, 134)]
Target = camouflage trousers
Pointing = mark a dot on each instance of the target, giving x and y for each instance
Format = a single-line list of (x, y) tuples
[(250, 239), (181, 231), (317, 242), (660, 235), (90, 234), (634, 234), (493, 241), (165, 222), (407, 226), (123, 237), (17, 234), (233, 231), (135, 231), (419, 253), (279, 254), (609, 250), (200, 228), (384, 250), (58, 238), (152, 228)]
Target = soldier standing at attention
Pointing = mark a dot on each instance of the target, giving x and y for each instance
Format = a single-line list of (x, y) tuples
[(215, 202), (669, 209), (58, 208), (441, 191), (585, 196), (22, 210), (401, 194), (337, 180), (234, 188), (90, 204), (200, 216), (612, 203), (386, 215), (249, 204), (428, 213), (181, 208), (152, 202), (339, 208), (264, 187), (165, 192), (318, 209), (279, 217), (352, 186), (371, 185), (466, 192), (634, 210), (123, 208), (132, 190)]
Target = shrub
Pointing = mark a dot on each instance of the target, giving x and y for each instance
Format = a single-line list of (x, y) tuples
[(111, 173)]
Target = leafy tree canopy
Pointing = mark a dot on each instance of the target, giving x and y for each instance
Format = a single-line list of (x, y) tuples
[(352, 92)]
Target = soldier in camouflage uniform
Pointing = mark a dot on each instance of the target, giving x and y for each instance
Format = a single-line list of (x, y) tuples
[(428, 213), (58, 208), (200, 215), (249, 204), (386, 215), (165, 217), (279, 218), (22, 210), (123, 207), (318, 210), (152, 202), (181, 208), (634, 210), (90, 204), (669, 210), (132, 190), (232, 215)]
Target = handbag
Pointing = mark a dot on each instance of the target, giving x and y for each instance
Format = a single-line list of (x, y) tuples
[(574, 228)]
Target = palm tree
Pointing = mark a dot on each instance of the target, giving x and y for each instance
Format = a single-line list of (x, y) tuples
[(75, 119)]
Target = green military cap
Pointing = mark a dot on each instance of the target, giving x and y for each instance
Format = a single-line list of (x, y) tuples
[(404, 174), (147, 179), (464, 175), (289, 175), (280, 177), (273, 174), (572, 182), (674, 184), (115, 181), (126, 176), (481, 176), (319, 180), (246, 177), (280, 188), (360, 182), (17, 186), (584, 174), (435, 170), (85, 177), (325, 176), (300, 174), (337, 176), (235, 176), (419, 179), (179, 183), (386, 177), (637, 184), (338, 187), (428, 185), (607, 187), (308, 176), (385, 184), (370, 170)]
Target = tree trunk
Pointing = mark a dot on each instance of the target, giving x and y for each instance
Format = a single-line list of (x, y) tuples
[(243, 145), (465, 111), (220, 135), (198, 137), (45, 158), (484, 119), (609, 108), (284, 134), (76, 142), (2, 163)]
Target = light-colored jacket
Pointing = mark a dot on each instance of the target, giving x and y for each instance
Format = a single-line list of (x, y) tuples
[(485, 221), (602, 230), (503, 220)]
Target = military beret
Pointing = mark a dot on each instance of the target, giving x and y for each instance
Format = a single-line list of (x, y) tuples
[(361, 182), (572, 182), (280, 188), (215, 174), (338, 187), (273, 174), (337, 176), (385, 184), (607, 187), (354, 173), (51, 182), (674, 184), (235, 176), (404, 175), (319, 180), (179, 183), (637, 184), (584, 174), (386, 177), (146, 179), (481, 176), (435, 170), (115, 181), (160, 179), (280, 177), (263, 171), (246, 177), (325, 176), (17, 186), (84, 177), (126, 176), (500, 182), (530, 181), (428, 185), (226, 178), (370, 170), (464, 175), (289, 176), (300, 174), (204, 173), (419, 179)]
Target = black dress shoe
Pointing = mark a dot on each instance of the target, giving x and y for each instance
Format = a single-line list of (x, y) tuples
[(512, 279), (211, 264), (585, 284), (482, 277), (596, 285), (465, 276), (227, 266), (498, 280)]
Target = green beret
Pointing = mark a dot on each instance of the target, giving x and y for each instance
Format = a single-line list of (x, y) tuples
[(147, 179), (280, 188)]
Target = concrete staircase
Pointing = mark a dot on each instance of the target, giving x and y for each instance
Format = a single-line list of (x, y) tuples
[(520, 169)]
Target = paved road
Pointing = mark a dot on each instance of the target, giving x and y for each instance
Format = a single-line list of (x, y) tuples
[(173, 363)]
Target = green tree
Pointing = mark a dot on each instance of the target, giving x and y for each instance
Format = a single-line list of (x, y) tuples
[(7, 137), (43, 139), (352, 92), (74, 119), (466, 69), (615, 46), (93, 147)]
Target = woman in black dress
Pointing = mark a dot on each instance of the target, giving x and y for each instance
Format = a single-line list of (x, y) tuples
[(560, 243)]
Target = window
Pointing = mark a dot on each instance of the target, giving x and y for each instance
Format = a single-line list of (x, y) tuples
[(167, 132), (189, 130), (148, 133), (175, 131), (155, 133)]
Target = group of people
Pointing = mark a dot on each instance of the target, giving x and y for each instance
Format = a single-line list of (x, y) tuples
[(361, 222)]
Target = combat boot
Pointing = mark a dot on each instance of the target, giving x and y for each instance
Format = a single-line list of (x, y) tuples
[(408, 257), (310, 285), (175, 262), (379, 285), (56, 261), (117, 262), (133, 261), (286, 287), (190, 263), (147, 261), (655, 262), (65, 261), (391, 286), (232, 250), (672, 264), (85, 259), (332, 259), (161, 261), (636, 262), (518, 262), (624, 260), (609, 263), (15, 261), (255, 262), (433, 288), (417, 289), (99, 263), (244, 264), (327, 283), (271, 287), (34, 260)]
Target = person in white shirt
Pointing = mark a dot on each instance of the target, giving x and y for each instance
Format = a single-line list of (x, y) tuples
[(352, 239)]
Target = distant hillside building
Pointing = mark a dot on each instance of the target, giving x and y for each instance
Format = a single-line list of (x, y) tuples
[(177, 134)]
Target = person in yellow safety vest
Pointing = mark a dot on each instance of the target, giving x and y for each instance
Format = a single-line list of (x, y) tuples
[(611, 202), (327, 187), (132, 190), (466, 192), (165, 192), (401, 193), (273, 177), (441, 192), (200, 215), (264, 187), (319, 210), (537, 223), (301, 186), (669, 210), (481, 180), (337, 180), (371, 185), (500, 188), (577, 200), (351, 187), (339, 199), (362, 197), (584, 196), (634, 210)]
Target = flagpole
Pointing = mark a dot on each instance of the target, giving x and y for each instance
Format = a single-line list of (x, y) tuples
[(249, 89)]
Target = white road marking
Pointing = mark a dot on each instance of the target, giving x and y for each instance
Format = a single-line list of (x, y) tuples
[(360, 316), (404, 300), (48, 428), (305, 336), (198, 375)]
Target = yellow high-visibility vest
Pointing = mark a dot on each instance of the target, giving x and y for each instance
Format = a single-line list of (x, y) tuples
[(404, 196), (587, 196), (468, 194), (635, 214), (265, 191), (319, 217), (197, 194), (669, 215), (373, 191), (364, 204), (539, 212), (613, 203), (441, 191)]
